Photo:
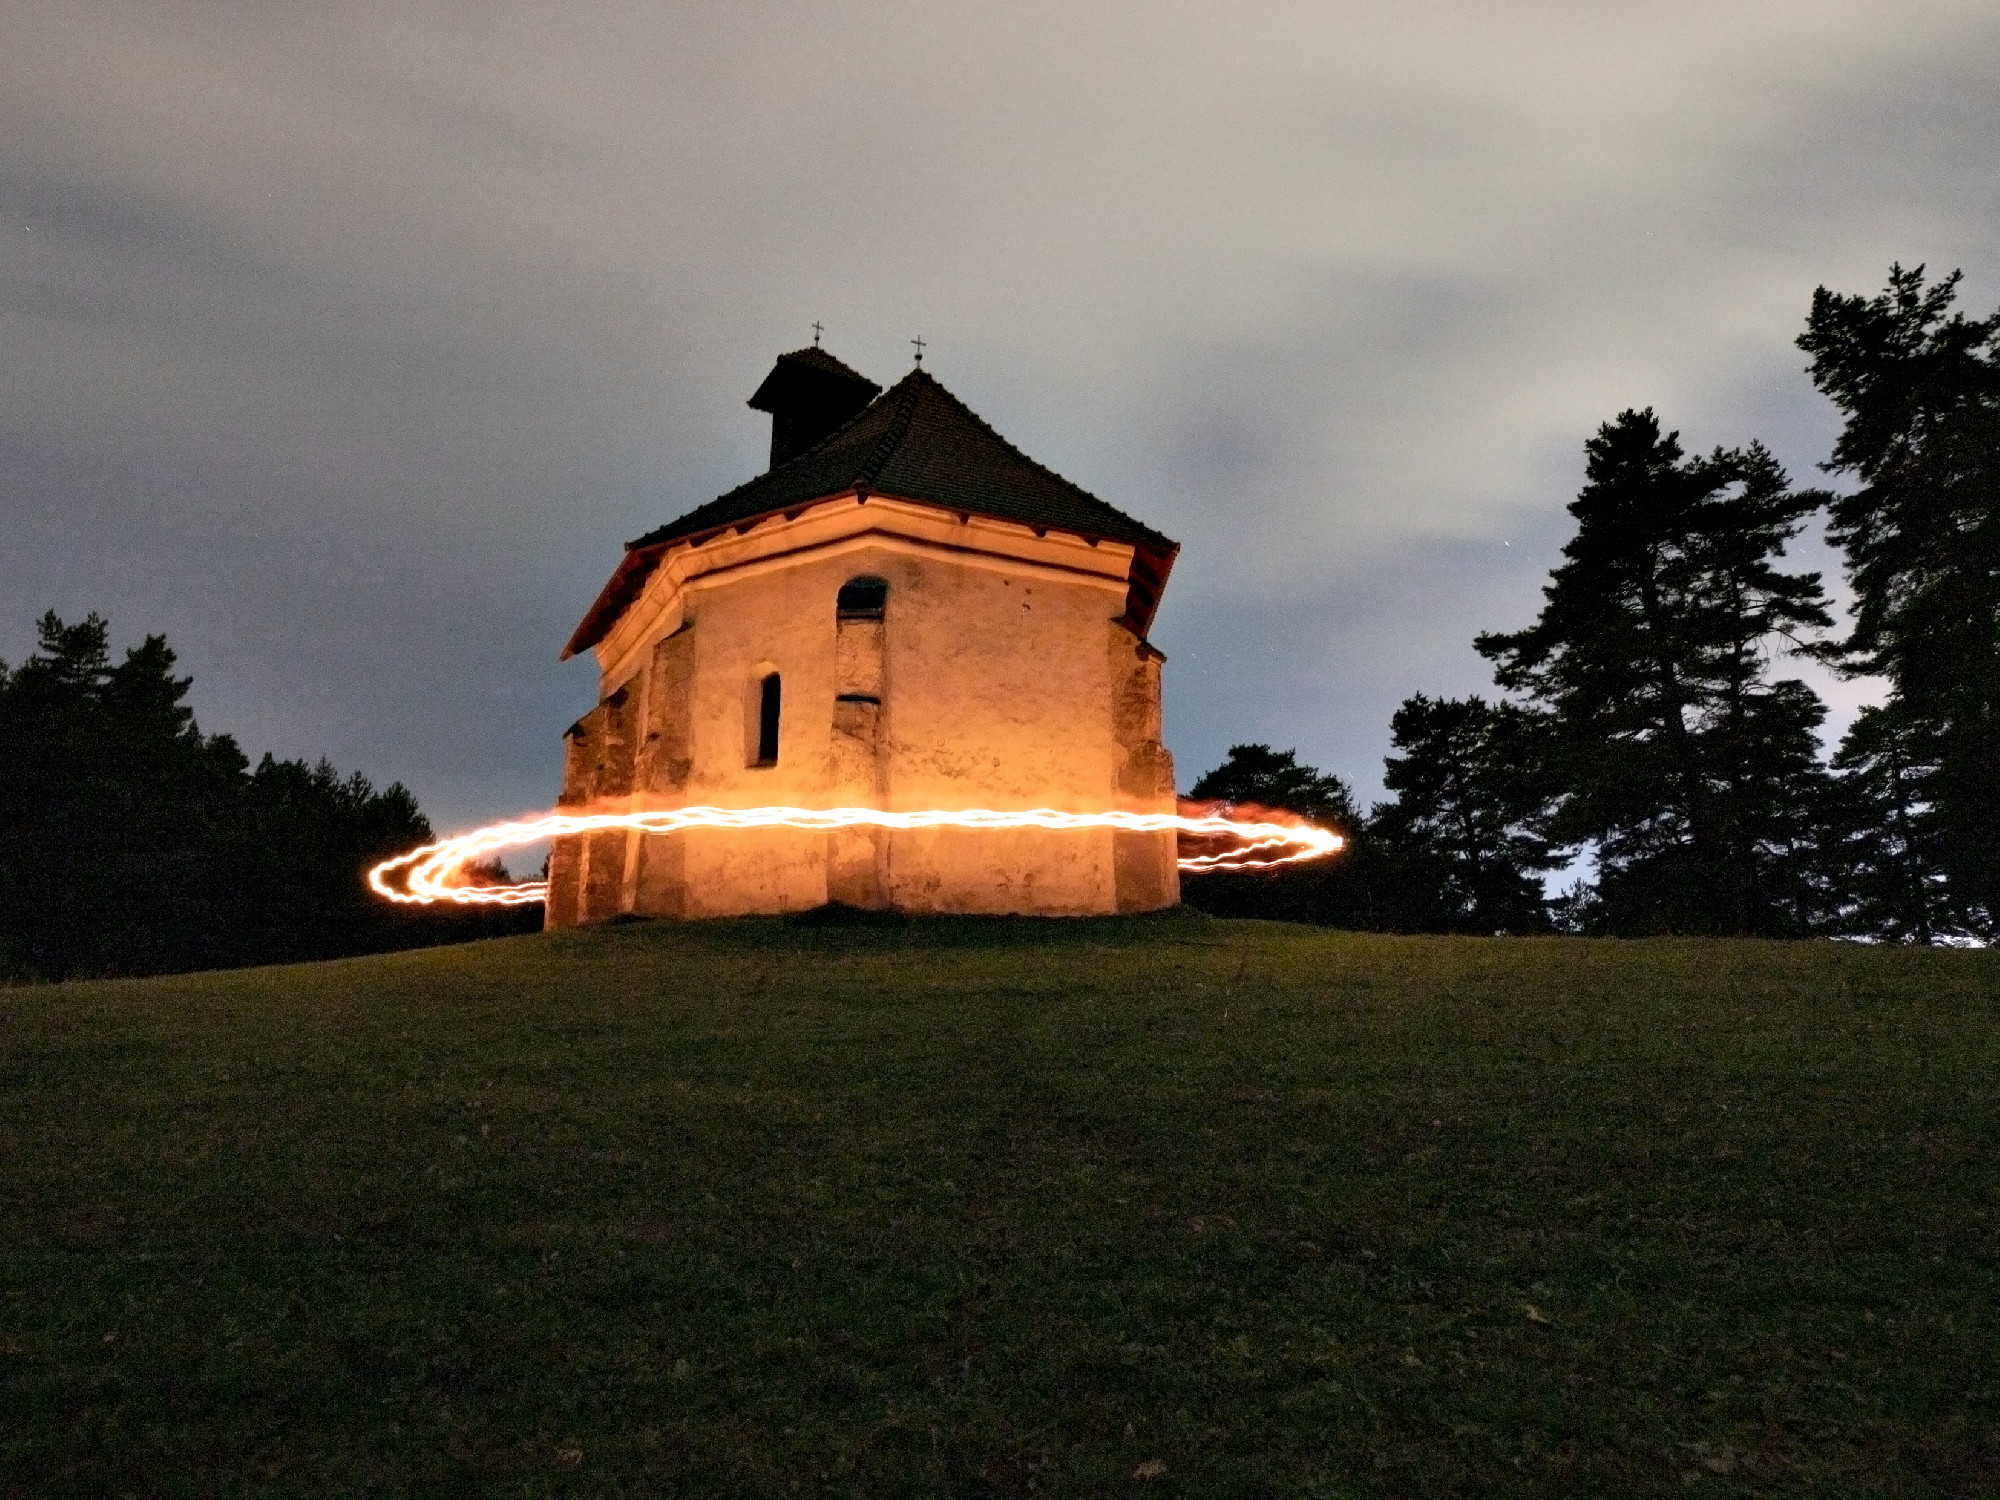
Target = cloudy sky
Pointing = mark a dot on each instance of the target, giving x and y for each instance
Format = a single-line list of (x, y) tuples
[(346, 343)]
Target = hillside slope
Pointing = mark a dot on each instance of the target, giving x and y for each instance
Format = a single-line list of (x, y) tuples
[(992, 1207)]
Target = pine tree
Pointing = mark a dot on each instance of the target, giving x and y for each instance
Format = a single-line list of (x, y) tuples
[(1333, 891), (1460, 845), (1693, 778), (308, 836), (1890, 849), (1920, 388), (131, 843), (1258, 776), (50, 829)]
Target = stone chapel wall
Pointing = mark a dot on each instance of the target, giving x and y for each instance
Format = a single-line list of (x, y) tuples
[(1147, 864), (983, 685), (665, 759)]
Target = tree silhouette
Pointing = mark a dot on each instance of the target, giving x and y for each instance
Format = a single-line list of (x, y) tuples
[(131, 843), (1463, 840), (1334, 891), (1919, 386), (1694, 778)]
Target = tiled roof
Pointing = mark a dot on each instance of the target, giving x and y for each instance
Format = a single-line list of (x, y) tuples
[(916, 441), (815, 359)]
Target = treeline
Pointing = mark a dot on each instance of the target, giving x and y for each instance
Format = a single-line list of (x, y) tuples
[(1646, 726), (132, 843)]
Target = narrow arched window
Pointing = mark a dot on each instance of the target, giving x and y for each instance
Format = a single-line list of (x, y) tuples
[(767, 722), (862, 598)]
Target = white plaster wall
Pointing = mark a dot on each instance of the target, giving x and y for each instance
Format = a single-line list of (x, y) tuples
[(998, 679), (778, 620), (998, 697), (994, 694)]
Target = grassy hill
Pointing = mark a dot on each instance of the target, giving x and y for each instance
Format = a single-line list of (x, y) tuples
[(995, 1207)]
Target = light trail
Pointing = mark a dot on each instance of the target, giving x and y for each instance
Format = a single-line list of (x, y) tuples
[(433, 873)]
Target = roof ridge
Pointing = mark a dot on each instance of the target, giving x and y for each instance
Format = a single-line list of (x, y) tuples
[(1000, 438), (819, 358), (899, 425)]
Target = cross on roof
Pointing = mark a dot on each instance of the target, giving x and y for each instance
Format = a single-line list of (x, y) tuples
[(817, 330), (919, 342)]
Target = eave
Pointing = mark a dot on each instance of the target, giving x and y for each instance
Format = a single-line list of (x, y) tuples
[(1147, 576)]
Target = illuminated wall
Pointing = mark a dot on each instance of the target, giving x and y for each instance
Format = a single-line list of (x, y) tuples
[(994, 677)]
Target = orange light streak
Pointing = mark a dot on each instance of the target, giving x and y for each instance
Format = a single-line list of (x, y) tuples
[(430, 874)]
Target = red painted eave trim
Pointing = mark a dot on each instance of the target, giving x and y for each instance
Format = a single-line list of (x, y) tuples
[(630, 576), (1150, 567)]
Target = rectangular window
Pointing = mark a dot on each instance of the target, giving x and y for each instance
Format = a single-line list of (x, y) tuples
[(863, 598), (767, 722)]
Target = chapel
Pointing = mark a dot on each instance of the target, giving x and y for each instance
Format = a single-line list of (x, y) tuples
[(903, 612)]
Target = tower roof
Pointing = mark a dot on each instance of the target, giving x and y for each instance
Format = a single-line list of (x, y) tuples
[(810, 395), (916, 441), (811, 363)]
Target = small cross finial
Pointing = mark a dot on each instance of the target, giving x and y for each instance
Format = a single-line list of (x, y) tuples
[(816, 333), (919, 342)]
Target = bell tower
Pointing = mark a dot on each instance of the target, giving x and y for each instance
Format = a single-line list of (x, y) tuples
[(809, 394)]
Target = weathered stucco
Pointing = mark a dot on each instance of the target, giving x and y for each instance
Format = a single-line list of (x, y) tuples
[(995, 678)]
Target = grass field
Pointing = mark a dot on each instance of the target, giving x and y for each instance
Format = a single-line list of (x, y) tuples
[(1165, 1206)]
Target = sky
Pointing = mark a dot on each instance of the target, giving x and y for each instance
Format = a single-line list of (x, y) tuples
[(346, 344)]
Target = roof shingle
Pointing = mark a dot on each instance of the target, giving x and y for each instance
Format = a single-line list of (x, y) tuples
[(916, 441)]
